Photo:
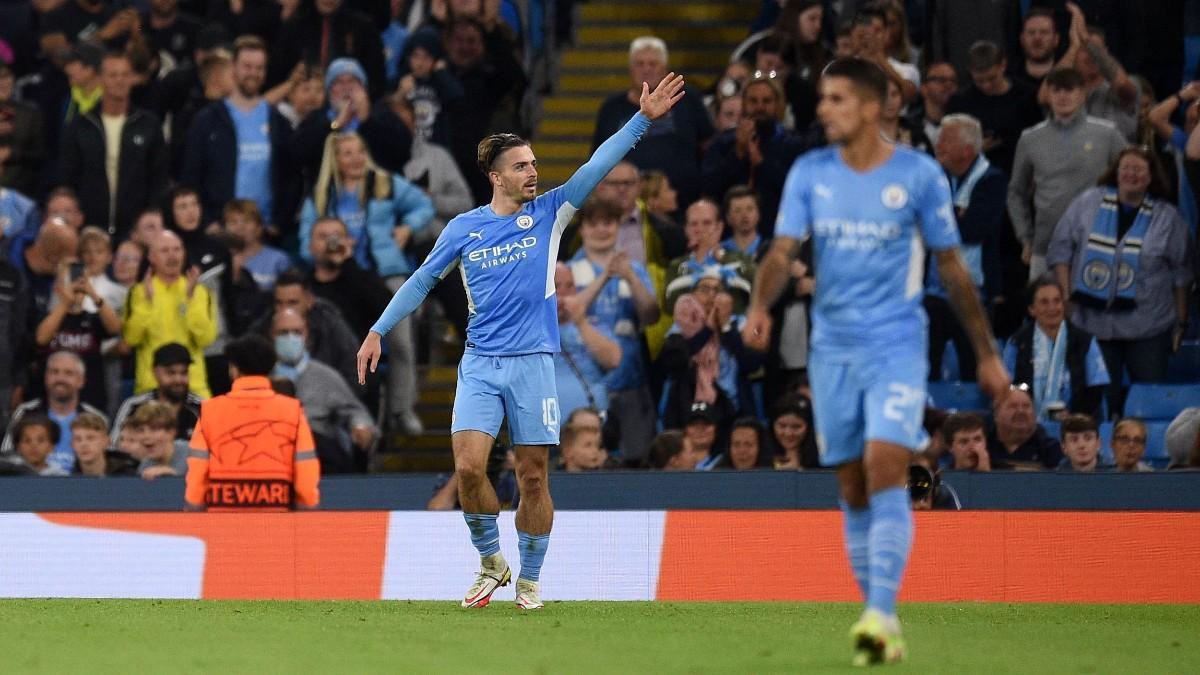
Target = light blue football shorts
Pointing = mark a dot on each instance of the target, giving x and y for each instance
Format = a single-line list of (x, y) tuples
[(519, 387)]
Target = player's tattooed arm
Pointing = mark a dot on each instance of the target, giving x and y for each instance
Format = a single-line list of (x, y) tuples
[(774, 276)]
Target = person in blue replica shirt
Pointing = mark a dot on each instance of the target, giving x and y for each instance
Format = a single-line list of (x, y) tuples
[(506, 252), (871, 208)]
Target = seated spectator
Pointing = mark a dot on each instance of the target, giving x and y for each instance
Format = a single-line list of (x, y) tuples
[(706, 257), (64, 380), (1004, 108), (979, 191), (673, 143), (1132, 297), (348, 107), (700, 428), (1183, 435), (621, 302), (1129, 437), (1055, 161), (264, 263), (171, 366), (162, 454), (747, 446), (36, 437), (792, 436), (341, 424), (759, 152), (588, 354), (1015, 439), (1060, 360), (938, 87), (743, 215), (147, 227), (1080, 444), (657, 194), (898, 128), (89, 440), (965, 437), (580, 449), (671, 451), (330, 339), (167, 306)]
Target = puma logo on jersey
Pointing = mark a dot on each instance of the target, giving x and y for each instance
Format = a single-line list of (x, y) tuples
[(478, 235)]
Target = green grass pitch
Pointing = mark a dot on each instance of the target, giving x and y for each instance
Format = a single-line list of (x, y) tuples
[(142, 636)]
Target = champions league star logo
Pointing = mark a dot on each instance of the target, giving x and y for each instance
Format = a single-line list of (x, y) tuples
[(1096, 275), (525, 222), (894, 196)]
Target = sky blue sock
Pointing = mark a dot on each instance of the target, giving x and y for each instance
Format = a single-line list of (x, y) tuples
[(857, 524), (485, 534), (533, 552), (890, 539)]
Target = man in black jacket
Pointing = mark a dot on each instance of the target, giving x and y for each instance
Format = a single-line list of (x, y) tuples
[(324, 32), (114, 157)]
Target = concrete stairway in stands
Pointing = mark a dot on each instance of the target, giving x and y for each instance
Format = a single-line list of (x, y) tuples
[(699, 36)]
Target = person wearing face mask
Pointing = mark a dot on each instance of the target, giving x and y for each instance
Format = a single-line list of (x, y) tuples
[(333, 411)]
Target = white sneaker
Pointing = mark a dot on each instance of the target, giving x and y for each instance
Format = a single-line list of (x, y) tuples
[(494, 574), (528, 595)]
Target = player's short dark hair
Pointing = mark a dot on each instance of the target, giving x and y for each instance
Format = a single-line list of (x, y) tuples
[(1064, 78), (251, 354), (984, 55), (1078, 423), (958, 422), (1038, 284), (493, 146), (738, 192), (27, 421), (603, 210), (665, 446), (866, 77)]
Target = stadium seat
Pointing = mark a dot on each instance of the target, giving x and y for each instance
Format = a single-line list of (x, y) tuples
[(957, 396), (1106, 453), (1160, 401), (1184, 366), (1156, 444)]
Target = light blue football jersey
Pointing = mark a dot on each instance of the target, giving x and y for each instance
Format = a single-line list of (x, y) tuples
[(869, 231)]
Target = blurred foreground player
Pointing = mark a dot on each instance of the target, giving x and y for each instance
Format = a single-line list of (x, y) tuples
[(252, 448), (872, 208), (506, 253)]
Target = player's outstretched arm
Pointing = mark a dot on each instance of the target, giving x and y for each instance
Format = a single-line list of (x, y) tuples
[(993, 377), (654, 104), (769, 283)]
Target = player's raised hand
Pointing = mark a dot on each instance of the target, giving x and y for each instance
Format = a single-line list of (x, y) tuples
[(656, 103), (993, 378), (368, 355), (756, 333)]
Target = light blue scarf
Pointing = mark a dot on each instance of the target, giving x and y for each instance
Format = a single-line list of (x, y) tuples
[(1107, 277)]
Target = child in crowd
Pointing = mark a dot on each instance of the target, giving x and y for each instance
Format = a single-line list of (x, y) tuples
[(1080, 444), (161, 454), (264, 263), (581, 450), (36, 437), (89, 440)]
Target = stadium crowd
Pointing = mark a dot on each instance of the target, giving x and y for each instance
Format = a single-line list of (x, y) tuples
[(177, 173)]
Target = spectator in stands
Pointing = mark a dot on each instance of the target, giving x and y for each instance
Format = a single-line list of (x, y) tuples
[(127, 262), (62, 202), (334, 413), (660, 198), (938, 86), (898, 128), (704, 438), (801, 22), (589, 352), (171, 364), (170, 30), (1132, 297), (979, 190), (14, 306), (1039, 43), (1015, 439), (81, 20), (55, 244), (162, 454), (1060, 361), (673, 143), (759, 152), (70, 327), (493, 85), (1182, 437), (114, 179), (430, 87), (35, 438), (304, 97), (1171, 144), (1080, 444), (794, 442), (96, 255), (19, 215), (1129, 438), (348, 108), (206, 76), (727, 112), (64, 380), (621, 302), (956, 25), (322, 32), (22, 140), (1003, 107), (964, 435), (330, 339), (237, 147), (264, 263), (581, 450), (774, 61), (89, 440), (147, 227), (671, 451), (707, 257), (747, 446), (1055, 161), (169, 306), (1109, 91), (870, 41), (743, 216), (66, 86)]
